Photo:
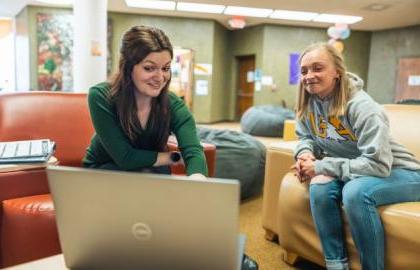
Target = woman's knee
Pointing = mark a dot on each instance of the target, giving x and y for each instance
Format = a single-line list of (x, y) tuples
[(354, 193), (324, 193)]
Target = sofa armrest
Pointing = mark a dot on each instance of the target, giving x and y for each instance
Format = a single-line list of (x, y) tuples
[(209, 152), (23, 183), (279, 159)]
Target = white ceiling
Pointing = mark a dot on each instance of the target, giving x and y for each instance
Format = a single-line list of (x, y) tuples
[(399, 13)]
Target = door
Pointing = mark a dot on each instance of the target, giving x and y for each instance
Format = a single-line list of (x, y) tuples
[(245, 84), (408, 81)]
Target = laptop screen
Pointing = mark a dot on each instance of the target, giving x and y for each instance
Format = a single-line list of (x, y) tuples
[(121, 220)]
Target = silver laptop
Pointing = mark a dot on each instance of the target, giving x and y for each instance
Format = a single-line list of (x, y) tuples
[(121, 220)]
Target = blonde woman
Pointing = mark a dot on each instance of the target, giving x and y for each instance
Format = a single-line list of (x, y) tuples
[(348, 156)]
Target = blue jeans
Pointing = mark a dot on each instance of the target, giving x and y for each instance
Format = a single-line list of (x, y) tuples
[(360, 197)]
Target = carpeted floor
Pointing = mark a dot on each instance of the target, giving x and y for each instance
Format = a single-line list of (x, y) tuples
[(266, 253)]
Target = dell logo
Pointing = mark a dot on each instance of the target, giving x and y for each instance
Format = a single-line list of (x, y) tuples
[(141, 231)]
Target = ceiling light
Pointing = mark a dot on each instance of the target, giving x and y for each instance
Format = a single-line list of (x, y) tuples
[(56, 2), (293, 15), (332, 18), (152, 4), (246, 11), (237, 22), (194, 7), (376, 7)]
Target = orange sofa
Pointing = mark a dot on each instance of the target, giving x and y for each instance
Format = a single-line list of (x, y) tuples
[(27, 220), (286, 210)]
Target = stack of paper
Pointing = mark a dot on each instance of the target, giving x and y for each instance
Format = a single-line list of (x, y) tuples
[(30, 151)]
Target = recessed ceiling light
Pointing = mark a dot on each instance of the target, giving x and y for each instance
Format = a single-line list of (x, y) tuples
[(151, 4), (376, 7), (247, 11), (195, 7), (56, 2), (293, 15), (334, 18)]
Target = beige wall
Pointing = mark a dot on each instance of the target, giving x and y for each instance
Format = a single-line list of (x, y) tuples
[(183, 32), (387, 48), (271, 44), (280, 41)]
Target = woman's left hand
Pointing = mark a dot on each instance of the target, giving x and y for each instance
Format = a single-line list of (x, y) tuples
[(307, 168)]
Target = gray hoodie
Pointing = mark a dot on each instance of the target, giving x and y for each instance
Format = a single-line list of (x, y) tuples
[(356, 144)]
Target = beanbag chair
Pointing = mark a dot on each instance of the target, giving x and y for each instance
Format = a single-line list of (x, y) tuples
[(238, 156), (265, 120)]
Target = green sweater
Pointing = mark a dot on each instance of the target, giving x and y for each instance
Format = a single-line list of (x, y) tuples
[(111, 145)]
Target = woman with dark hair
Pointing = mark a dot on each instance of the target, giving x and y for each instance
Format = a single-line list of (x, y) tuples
[(349, 158), (134, 114)]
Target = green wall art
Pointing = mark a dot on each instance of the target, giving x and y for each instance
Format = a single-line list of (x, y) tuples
[(55, 46), (55, 51)]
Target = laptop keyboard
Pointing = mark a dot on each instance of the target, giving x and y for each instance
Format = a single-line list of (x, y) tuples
[(22, 149)]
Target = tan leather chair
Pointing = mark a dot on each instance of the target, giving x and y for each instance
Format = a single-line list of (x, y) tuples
[(27, 220), (288, 214)]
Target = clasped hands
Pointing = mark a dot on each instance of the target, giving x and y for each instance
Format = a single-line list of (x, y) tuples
[(304, 167), (305, 170)]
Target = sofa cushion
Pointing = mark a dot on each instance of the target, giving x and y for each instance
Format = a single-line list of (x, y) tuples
[(28, 229), (238, 156), (402, 119)]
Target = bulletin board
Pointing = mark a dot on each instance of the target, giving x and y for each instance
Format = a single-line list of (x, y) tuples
[(182, 74)]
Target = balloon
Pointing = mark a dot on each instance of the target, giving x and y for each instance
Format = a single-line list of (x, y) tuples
[(339, 46), (344, 33), (341, 26), (331, 41), (333, 33)]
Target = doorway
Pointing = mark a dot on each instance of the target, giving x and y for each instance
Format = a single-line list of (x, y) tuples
[(408, 80), (245, 84)]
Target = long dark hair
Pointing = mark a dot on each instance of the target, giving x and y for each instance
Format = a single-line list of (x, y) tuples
[(137, 43)]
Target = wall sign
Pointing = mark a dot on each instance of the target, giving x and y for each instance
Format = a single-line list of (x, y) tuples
[(414, 80), (294, 68)]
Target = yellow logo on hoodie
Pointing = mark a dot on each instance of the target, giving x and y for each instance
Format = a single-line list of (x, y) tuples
[(332, 129)]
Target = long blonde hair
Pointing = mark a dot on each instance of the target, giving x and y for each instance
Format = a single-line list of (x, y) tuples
[(342, 92)]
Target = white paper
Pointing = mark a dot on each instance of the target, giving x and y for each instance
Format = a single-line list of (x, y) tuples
[(258, 74), (250, 76), (201, 87), (257, 86), (413, 80), (267, 80)]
